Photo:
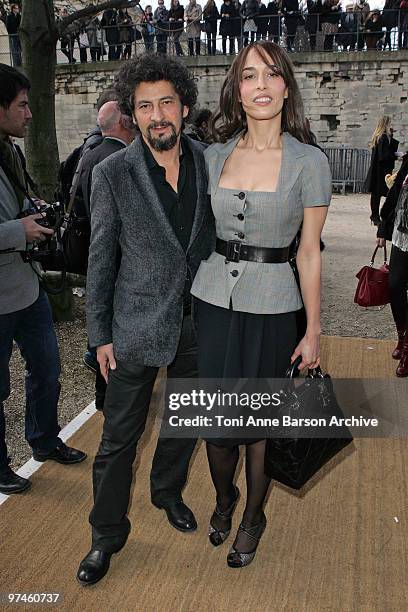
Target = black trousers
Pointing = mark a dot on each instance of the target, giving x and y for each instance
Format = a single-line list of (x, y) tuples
[(191, 42), (100, 389), (126, 408), (211, 43), (161, 40), (231, 45), (398, 281)]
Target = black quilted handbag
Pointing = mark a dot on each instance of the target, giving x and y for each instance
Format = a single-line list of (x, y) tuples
[(293, 461)]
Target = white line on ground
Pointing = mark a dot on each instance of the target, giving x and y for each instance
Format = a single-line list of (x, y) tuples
[(32, 466)]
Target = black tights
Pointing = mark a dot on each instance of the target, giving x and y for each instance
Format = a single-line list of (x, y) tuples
[(398, 281), (223, 462)]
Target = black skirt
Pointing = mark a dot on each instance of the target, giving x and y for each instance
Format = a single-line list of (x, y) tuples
[(234, 344)]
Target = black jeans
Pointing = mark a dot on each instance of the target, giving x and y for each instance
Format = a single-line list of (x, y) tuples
[(95, 54), (149, 42), (114, 51), (67, 48), (211, 43), (291, 35), (126, 408), (161, 41), (398, 281), (231, 45), (246, 38), (176, 40), (83, 55), (127, 51), (191, 42)]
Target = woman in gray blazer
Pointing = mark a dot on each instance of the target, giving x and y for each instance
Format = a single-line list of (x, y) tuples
[(265, 182)]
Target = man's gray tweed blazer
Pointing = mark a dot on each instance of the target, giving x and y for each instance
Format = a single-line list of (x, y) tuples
[(139, 305)]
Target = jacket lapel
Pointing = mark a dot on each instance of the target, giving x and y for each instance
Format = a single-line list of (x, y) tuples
[(143, 182), (218, 162), (201, 186), (291, 165)]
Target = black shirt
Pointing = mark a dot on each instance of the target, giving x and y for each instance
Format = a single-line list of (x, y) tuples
[(179, 207)]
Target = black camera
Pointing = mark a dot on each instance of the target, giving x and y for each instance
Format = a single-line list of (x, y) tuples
[(53, 214), (48, 252)]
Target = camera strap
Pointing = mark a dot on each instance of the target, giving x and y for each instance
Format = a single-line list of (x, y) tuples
[(29, 180), (15, 181)]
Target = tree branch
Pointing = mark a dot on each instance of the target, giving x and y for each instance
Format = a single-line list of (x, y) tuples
[(90, 11)]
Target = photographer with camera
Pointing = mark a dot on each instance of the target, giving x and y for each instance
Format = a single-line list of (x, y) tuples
[(25, 314)]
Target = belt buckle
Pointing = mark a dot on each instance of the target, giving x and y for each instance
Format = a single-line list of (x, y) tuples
[(233, 251)]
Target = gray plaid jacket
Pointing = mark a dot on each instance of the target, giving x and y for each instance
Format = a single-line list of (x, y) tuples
[(18, 282), (265, 220)]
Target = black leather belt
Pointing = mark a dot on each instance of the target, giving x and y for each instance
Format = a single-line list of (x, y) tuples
[(234, 251)]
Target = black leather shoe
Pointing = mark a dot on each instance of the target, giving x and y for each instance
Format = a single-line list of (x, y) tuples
[(179, 515), (10, 482), (62, 454), (93, 567)]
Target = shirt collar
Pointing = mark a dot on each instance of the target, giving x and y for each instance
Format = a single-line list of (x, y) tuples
[(151, 161), (117, 139)]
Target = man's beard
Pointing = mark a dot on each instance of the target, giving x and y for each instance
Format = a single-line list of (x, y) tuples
[(162, 143)]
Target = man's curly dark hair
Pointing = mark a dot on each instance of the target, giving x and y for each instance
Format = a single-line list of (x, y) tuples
[(150, 68)]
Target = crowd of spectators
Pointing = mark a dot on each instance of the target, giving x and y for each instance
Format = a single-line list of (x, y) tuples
[(317, 25)]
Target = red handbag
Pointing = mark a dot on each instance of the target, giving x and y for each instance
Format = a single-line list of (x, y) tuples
[(373, 287)]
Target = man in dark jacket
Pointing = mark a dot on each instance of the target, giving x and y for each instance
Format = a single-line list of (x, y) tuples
[(118, 131), (150, 201), (13, 20)]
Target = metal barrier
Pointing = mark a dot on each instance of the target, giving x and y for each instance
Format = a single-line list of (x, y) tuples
[(349, 167), (5, 51), (309, 33)]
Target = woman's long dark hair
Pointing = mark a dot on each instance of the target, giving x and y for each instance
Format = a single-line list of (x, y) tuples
[(230, 118)]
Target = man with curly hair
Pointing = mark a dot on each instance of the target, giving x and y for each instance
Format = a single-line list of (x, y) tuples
[(149, 204)]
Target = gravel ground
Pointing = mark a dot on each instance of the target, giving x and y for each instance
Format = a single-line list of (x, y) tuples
[(350, 241)]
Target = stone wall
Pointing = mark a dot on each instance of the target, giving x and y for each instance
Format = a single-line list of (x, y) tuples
[(344, 94)]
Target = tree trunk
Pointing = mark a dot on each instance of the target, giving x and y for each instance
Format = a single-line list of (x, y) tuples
[(38, 38)]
